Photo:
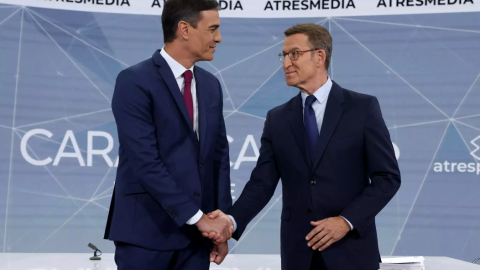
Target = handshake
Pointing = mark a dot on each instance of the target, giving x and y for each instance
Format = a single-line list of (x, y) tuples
[(216, 226)]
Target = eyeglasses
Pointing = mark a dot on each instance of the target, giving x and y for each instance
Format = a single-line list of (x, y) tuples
[(293, 55)]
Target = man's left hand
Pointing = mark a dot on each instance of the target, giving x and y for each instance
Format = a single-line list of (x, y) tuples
[(327, 232), (219, 253)]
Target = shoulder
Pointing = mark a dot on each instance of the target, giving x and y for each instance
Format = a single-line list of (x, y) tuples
[(280, 110), (134, 79), (358, 97), (359, 101), (137, 71)]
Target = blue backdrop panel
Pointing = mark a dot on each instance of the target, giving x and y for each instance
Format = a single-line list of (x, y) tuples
[(57, 77)]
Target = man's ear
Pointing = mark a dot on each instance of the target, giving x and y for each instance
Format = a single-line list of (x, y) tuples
[(183, 29), (322, 56)]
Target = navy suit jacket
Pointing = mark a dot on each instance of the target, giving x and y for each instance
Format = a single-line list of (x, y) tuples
[(354, 174), (165, 174)]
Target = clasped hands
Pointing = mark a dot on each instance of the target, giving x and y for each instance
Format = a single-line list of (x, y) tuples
[(218, 227)]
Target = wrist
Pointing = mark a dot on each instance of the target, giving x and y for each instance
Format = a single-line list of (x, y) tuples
[(201, 221), (346, 224)]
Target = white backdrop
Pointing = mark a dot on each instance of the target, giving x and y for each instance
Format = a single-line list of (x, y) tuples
[(269, 8)]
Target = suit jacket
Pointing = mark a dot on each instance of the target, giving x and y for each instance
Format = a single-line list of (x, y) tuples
[(354, 174), (165, 174)]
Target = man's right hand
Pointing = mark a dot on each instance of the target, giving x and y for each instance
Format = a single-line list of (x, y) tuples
[(219, 230), (218, 215)]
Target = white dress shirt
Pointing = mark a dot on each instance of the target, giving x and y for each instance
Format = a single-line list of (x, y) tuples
[(319, 107), (178, 71), (321, 103)]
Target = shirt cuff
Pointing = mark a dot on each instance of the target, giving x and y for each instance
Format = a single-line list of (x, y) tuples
[(234, 223), (351, 226), (195, 218)]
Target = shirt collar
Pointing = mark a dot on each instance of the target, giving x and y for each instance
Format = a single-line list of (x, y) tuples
[(321, 94), (176, 67)]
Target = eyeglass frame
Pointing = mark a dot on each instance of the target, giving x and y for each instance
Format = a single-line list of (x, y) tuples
[(282, 54)]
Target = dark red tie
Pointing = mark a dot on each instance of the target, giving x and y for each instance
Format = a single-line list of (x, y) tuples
[(187, 93)]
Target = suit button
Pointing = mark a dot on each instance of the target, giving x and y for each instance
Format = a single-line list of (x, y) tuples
[(313, 182), (309, 210), (196, 194), (200, 165)]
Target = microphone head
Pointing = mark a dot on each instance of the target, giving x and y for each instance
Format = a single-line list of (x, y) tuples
[(92, 246)]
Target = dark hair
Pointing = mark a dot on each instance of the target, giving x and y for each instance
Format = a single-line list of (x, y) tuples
[(318, 36), (175, 11)]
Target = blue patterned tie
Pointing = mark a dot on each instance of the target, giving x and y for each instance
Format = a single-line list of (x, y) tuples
[(311, 128)]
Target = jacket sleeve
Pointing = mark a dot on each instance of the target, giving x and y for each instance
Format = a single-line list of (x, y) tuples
[(222, 162), (261, 187), (382, 168)]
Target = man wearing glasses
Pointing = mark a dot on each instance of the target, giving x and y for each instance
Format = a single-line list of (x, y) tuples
[(332, 150)]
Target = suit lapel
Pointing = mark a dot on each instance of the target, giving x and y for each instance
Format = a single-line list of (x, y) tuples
[(202, 99), (171, 82), (295, 120), (333, 112)]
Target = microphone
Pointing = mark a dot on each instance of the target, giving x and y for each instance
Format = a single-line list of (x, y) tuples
[(92, 246), (95, 256)]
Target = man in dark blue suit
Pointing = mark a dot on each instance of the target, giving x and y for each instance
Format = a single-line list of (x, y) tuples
[(174, 162), (333, 152)]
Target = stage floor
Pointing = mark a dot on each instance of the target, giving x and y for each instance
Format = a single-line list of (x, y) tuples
[(80, 261)]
